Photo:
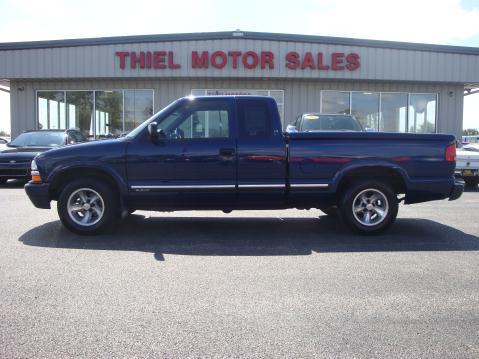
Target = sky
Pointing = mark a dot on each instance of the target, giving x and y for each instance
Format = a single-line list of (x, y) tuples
[(449, 22)]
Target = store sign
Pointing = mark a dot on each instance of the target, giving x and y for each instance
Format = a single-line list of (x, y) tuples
[(251, 60)]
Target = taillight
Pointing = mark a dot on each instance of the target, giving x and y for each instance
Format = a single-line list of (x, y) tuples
[(451, 153)]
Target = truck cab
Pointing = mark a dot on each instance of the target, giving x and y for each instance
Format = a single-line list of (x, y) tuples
[(213, 151)]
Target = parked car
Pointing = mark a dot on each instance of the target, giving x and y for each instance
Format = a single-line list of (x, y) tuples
[(3, 143), (467, 165), (314, 122), (471, 147), (16, 158), (229, 153)]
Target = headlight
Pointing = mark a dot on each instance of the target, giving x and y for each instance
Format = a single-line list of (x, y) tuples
[(36, 178)]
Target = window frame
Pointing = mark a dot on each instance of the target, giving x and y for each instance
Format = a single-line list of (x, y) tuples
[(229, 109), (95, 136), (436, 94), (269, 90)]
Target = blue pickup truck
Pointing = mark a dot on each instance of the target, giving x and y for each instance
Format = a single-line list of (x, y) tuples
[(230, 153)]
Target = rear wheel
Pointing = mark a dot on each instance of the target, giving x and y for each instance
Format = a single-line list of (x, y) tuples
[(87, 206), (369, 207), (471, 182)]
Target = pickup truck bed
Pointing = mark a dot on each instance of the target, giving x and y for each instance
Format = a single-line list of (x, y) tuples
[(230, 153)]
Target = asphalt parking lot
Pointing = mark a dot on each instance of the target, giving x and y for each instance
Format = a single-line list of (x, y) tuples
[(246, 284)]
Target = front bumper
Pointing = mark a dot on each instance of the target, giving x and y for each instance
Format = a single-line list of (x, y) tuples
[(457, 189), (38, 194), (466, 173)]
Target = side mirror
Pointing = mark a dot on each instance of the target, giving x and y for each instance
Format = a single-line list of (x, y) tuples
[(153, 131), (291, 128)]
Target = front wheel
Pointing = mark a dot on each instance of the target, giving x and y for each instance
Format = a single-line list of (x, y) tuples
[(87, 206), (369, 207)]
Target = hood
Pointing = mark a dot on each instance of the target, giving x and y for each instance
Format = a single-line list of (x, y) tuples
[(20, 154), (93, 151), (24, 149)]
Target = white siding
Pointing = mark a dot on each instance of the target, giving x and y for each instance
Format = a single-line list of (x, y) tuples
[(377, 64)]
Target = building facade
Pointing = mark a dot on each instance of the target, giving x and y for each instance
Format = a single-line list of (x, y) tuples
[(107, 86)]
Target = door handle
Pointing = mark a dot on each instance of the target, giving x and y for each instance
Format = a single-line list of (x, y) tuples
[(227, 152)]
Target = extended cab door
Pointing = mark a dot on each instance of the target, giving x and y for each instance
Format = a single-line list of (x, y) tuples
[(261, 153), (194, 165)]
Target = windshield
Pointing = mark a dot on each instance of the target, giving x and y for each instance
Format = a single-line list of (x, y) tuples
[(329, 123), (39, 139), (143, 125)]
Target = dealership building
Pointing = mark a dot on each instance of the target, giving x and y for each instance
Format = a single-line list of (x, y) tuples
[(107, 86)]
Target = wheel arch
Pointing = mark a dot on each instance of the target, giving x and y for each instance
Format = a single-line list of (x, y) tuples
[(62, 177), (393, 176)]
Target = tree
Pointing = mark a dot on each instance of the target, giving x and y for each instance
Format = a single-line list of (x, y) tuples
[(470, 132)]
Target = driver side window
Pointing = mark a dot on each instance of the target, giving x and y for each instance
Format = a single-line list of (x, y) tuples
[(203, 124)]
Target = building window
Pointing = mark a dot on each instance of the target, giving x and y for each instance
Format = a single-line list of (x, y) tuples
[(80, 112), (393, 113), (138, 107), (335, 102), (96, 114), (385, 111), (51, 109), (422, 113), (109, 113), (365, 107), (278, 95)]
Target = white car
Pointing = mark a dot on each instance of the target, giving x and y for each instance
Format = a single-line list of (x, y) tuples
[(467, 166), (471, 147)]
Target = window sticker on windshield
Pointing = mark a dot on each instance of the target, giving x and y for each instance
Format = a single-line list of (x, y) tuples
[(311, 117)]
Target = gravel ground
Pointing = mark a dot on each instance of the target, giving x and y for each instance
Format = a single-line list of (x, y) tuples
[(246, 284)]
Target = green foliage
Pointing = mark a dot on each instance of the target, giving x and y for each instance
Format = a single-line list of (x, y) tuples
[(470, 132), (3, 133)]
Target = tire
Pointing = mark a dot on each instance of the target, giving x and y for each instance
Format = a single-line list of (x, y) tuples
[(88, 206), (376, 207), (331, 211), (3, 180), (471, 182)]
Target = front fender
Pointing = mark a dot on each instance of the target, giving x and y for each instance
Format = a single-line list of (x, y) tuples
[(117, 174)]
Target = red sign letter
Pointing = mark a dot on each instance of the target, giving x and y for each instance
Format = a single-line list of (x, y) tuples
[(337, 61), (353, 62), (267, 58), (135, 60), (235, 55), (308, 61), (292, 59), (159, 60), (254, 56), (321, 66), (122, 55), (198, 62), (222, 56), (171, 62)]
